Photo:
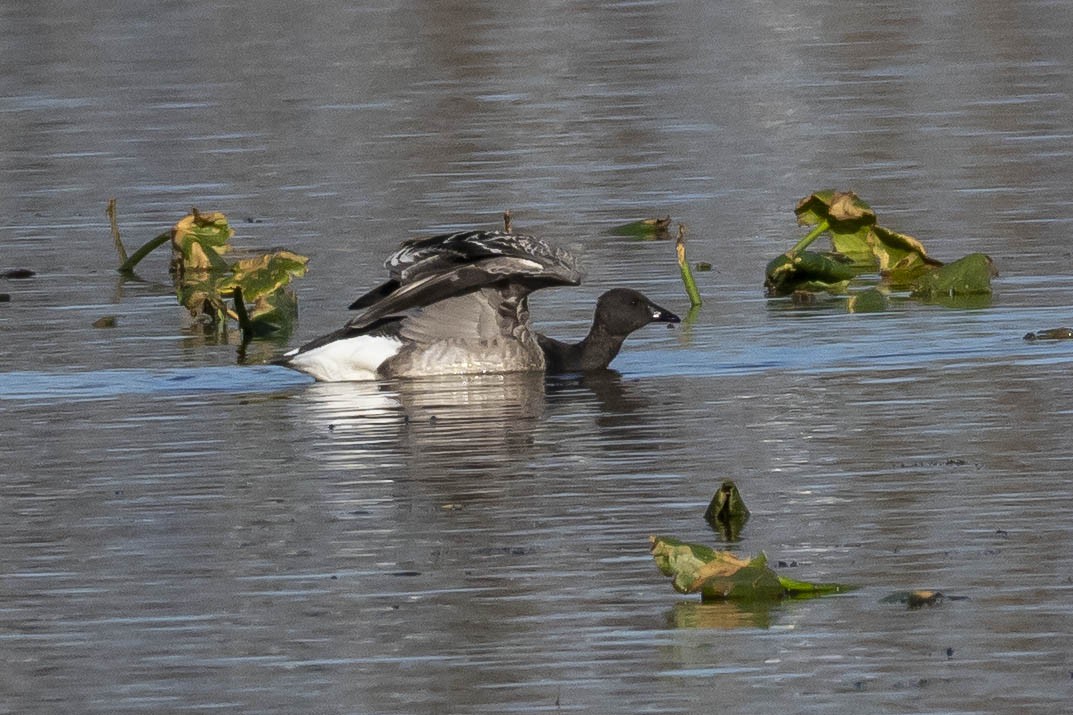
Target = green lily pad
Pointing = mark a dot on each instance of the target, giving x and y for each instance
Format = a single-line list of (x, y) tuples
[(970, 275)]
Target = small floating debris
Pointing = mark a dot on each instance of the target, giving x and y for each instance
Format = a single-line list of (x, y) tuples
[(649, 229), (920, 598), (107, 321), (1051, 334), (18, 273)]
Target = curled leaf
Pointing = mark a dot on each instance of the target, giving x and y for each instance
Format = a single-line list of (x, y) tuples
[(807, 271), (198, 240), (719, 575), (900, 257)]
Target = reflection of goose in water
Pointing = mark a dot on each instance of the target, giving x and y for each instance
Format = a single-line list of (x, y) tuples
[(458, 304), (490, 416)]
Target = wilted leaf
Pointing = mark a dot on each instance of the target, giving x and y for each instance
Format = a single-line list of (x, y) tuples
[(264, 275), (720, 575), (198, 240), (970, 275), (683, 266), (901, 258), (202, 299), (836, 207)]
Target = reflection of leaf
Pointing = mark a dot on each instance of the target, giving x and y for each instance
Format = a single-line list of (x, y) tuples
[(646, 229), (970, 275), (869, 300), (721, 614), (808, 271), (721, 575)]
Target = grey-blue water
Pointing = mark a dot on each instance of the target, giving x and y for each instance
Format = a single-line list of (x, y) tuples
[(183, 528)]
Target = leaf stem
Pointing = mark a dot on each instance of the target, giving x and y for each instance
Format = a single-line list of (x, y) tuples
[(137, 256), (687, 272), (116, 241), (809, 238)]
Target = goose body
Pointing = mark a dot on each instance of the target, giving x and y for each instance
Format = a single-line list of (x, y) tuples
[(458, 304)]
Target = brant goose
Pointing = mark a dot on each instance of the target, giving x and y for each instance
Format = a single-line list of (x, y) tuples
[(458, 304)]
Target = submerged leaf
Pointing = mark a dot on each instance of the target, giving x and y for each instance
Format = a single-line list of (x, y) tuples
[(649, 229), (970, 275)]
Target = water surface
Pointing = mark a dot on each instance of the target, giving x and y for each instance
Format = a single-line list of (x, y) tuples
[(184, 528)]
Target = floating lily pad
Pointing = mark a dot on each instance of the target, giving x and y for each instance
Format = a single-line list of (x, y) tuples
[(970, 275), (861, 246)]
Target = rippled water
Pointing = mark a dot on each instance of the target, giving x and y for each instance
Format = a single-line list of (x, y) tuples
[(183, 528)]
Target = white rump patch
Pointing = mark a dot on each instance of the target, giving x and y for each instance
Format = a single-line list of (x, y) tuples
[(348, 359)]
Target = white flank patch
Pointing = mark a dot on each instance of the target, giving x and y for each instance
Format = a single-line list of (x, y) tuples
[(348, 359)]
